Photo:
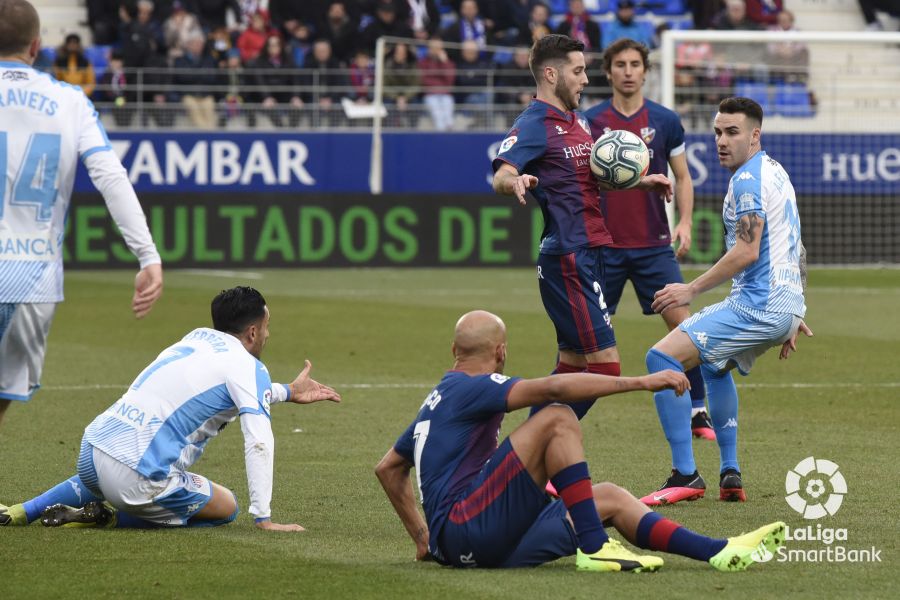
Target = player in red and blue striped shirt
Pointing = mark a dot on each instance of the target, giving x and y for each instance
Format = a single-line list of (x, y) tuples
[(642, 243), (547, 152)]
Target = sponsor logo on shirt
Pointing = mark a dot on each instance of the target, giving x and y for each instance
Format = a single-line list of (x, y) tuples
[(498, 378), (267, 400), (647, 134), (560, 130), (15, 76), (508, 143)]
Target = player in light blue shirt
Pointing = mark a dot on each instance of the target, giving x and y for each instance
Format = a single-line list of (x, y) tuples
[(766, 261), (46, 128), (137, 453)]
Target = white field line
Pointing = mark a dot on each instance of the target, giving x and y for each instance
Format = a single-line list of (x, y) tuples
[(426, 386), (221, 273)]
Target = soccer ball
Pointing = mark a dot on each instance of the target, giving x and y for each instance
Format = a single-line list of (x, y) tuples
[(620, 158)]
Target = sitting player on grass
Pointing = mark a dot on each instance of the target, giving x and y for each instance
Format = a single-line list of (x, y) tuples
[(485, 505), (136, 455)]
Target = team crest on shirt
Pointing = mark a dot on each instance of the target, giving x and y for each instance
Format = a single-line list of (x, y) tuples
[(507, 144), (15, 76), (647, 134), (745, 202), (585, 126)]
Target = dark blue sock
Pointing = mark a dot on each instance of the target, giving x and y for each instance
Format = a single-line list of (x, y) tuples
[(698, 389), (655, 532), (674, 414), (71, 492), (574, 487), (723, 409)]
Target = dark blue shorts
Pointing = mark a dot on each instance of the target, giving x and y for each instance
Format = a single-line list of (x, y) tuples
[(570, 287), (504, 520), (649, 270)]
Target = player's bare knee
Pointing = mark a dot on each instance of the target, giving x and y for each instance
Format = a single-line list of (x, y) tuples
[(609, 497), (561, 421)]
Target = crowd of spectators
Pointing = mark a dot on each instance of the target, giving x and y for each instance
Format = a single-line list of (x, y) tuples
[(218, 59)]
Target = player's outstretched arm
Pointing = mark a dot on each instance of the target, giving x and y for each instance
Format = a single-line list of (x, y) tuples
[(508, 182), (743, 254), (305, 390), (575, 387), (393, 473), (148, 287), (791, 345)]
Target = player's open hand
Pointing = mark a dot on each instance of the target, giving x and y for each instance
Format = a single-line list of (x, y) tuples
[(791, 345), (148, 287), (305, 390), (674, 294), (667, 380), (659, 183), (682, 237), (270, 526), (523, 183)]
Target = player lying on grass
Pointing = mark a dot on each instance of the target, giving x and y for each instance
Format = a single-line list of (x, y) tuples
[(136, 455), (486, 505)]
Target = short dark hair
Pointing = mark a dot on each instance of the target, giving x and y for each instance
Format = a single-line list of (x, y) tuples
[(233, 310), (19, 26), (621, 45), (745, 106), (551, 47)]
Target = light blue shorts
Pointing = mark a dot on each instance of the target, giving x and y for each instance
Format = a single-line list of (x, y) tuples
[(727, 336)]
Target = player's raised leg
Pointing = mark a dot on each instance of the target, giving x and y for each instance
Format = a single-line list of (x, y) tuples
[(550, 448)]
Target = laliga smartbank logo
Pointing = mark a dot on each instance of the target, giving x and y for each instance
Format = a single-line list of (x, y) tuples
[(815, 489), (820, 476)]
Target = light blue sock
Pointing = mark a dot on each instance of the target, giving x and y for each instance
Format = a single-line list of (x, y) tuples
[(674, 414), (723, 409), (71, 492)]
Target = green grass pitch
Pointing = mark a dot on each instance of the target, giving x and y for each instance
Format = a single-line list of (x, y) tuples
[(382, 338)]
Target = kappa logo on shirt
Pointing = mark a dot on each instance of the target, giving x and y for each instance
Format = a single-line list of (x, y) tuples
[(746, 175), (15, 76), (647, 134), (507, 144)]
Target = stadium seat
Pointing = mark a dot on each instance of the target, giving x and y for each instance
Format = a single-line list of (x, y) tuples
[(754, 91), (645, 24), (792, 100), (98, 56), (657, 7), (596, 7)]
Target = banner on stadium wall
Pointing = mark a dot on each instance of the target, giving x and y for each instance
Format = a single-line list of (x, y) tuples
[(819, 165), (265, 230)]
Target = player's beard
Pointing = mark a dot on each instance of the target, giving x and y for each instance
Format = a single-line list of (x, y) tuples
[(566, 96)]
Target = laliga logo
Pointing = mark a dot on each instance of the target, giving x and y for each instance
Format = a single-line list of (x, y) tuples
[(819, 475)]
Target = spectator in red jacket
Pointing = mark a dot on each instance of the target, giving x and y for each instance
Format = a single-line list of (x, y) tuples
[(252, 41), (438, 75)]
